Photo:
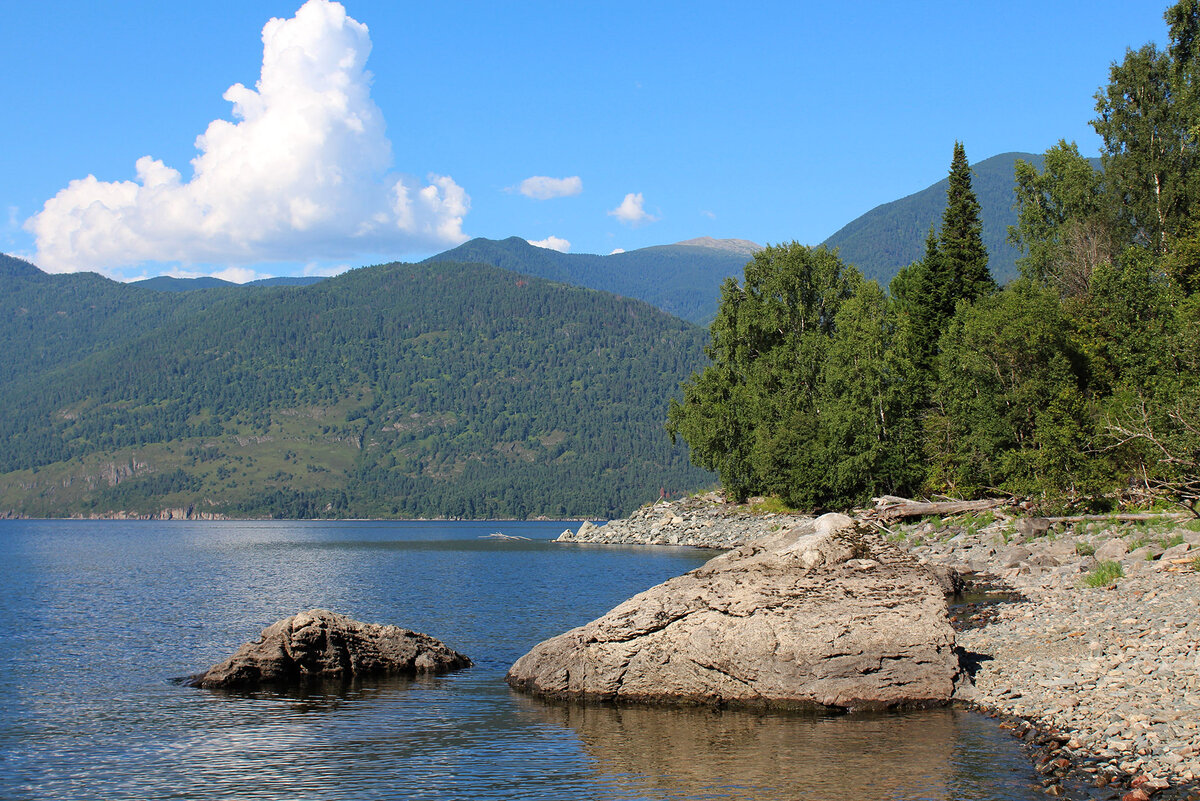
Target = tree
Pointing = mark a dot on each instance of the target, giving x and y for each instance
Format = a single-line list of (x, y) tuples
[(752, 414), (960, 242), (1005, 361), (1149, 151), (869, 438), (1064, 222), (954, 269)]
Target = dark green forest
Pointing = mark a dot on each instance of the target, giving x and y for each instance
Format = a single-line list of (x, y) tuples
[(400, 390), (1075, 385)]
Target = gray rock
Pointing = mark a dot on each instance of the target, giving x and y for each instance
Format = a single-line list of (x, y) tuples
[(320, 645), (1113, 549), (793, 620), (1029, 527), (1011, 557), (1175, 552)]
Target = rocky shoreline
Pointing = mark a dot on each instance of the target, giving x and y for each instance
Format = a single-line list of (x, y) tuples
[(1104, 681), (699, 521)]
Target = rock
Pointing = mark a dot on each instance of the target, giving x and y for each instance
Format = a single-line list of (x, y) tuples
[(789, 621), (949, 579), (1113, 549), (319, 645), (1175, 552), (1011, 557), (1029, 527)]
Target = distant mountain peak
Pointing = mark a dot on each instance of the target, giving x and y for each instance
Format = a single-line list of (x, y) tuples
[(742, 246)]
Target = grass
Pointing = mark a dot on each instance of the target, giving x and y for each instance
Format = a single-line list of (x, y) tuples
[(1105, 575), (770, 506), (1084, 548), (1192, 525), (1196, 564)]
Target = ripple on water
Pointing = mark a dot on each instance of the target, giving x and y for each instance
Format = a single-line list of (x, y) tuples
[(102, 614)]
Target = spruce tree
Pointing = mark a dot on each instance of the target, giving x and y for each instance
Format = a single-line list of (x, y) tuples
[(960, 245)]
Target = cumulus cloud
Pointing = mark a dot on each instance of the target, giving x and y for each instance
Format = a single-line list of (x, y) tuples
[(552, 243), (631, 211), (302, 174), (540, 187)]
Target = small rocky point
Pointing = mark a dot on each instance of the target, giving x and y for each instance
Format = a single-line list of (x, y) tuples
[(321, 646), (819, 616), (701, 521)]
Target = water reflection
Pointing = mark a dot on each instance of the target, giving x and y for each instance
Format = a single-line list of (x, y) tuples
[(729, 754)]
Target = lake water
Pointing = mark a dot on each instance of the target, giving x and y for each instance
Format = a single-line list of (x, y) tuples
[(99, 616)]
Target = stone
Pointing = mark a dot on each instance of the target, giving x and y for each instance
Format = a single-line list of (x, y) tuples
[(790, 621), (1175, 552), (1113, 549), (1011, 557), (322, 646), (1029, 527)]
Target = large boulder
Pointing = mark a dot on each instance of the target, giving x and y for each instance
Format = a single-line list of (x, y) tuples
[(822, 616), (321, 646)]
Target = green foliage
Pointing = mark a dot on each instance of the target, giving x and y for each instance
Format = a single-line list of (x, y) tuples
[(399, 390), (749, 414), (806, 397), (1008, 383), (1084, 548), (960, 240), (1105, 574), (1064, 220)]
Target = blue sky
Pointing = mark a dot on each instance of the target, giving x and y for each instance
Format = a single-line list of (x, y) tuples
[(657, 121)]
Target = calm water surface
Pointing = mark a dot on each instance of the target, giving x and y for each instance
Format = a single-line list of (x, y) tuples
[(99, 616)]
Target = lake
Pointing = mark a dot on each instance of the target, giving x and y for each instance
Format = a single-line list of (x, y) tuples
[(100, 616)]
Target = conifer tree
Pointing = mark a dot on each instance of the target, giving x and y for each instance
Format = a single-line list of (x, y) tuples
[(960, 244)]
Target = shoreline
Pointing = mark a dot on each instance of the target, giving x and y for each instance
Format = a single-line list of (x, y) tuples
[(1102, 683)]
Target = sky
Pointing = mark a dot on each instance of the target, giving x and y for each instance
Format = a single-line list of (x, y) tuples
[(253, 138)]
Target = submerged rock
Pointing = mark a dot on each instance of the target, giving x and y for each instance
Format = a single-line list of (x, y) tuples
[(319, 646), (821, 616)]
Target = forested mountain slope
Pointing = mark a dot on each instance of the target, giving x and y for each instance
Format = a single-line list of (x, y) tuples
[(682, 279), (438, 389), (892, 236)]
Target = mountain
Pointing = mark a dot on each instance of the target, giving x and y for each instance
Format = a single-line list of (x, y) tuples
[(892, 236), (435, 389), (166, 283), (682, 279)]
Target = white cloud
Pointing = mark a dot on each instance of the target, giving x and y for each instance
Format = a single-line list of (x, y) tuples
[(540, 187), (615, 251), (706, 213), (301, 175), (552, 243), (631, 211)]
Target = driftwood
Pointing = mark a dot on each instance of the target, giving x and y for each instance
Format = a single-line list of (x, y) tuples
[(890, 507)]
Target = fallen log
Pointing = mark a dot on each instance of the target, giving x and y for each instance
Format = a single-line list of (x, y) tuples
[(890, 507)]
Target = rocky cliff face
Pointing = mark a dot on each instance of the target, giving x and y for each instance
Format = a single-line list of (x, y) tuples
[(703, 521), (822, 615)]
